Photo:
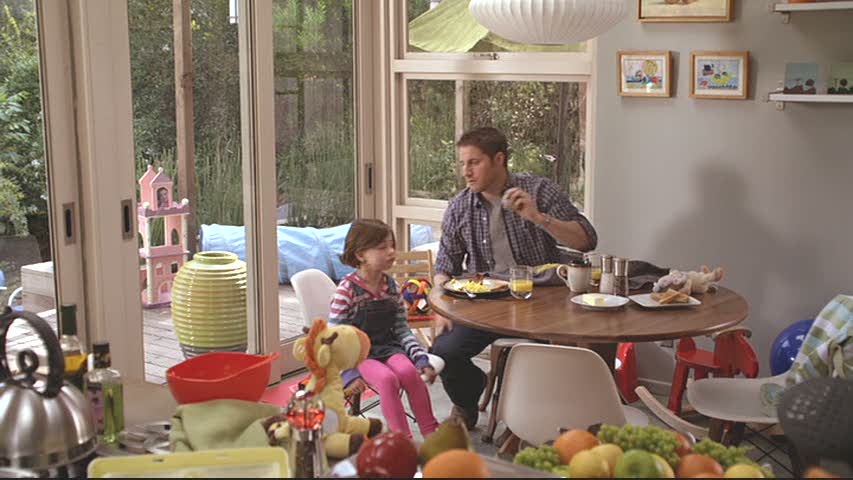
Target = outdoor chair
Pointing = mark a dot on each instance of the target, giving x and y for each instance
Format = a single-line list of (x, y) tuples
[(548, 387)]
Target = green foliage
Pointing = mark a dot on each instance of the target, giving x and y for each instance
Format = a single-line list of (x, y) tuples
[(432, 146), (316, 177), (542, 120), (22, 172)]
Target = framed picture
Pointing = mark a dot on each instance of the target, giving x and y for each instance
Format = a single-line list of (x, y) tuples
[(801, 78), (645, 74), (685, 10), (841, 79), (723, 75)]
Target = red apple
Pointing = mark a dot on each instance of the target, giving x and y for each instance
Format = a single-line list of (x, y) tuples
[(387, 455), (684, 445)]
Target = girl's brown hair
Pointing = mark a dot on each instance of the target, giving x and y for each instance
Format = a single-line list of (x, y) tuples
[(363, 235)]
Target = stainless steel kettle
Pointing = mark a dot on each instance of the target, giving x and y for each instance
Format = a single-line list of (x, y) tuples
[(46, 424)]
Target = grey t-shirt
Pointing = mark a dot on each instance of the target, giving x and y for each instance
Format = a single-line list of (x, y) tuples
[(501, 250)]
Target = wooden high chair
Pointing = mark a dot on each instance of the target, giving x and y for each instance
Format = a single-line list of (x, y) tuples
[(416, 264)]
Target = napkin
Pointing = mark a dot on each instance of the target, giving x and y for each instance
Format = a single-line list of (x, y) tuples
[(220, 424)]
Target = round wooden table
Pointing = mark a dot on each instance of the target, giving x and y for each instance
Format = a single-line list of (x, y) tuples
[(551, 316)]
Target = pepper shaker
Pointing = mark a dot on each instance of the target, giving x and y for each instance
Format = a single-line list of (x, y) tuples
[(620, 274), (607, 278)]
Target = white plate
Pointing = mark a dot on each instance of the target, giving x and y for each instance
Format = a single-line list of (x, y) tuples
[(493, 285), (645, 300), (599, 301)]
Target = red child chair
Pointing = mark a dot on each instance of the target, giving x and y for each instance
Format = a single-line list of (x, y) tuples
[(626, 371), (732, 355)]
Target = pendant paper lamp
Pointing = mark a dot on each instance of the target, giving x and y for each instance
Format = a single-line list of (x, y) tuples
[(548, 22)]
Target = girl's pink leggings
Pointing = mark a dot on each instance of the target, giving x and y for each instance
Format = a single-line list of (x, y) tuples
[(387, 378)]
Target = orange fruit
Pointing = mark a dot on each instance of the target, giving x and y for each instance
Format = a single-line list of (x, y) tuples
[(817, 472), (572, 442), (694, 464), (456, 463)]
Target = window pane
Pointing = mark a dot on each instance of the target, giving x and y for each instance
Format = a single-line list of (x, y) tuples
[(26, 267), (424, 235), (448, 26), (217, 161), (315, 143), (544, 122)]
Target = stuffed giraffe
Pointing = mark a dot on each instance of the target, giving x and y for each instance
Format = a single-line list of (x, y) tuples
[(327, 351)]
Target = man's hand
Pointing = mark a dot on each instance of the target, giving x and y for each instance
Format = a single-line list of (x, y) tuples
[(356, 386), (521, 203), (429, 373), (442, 325)]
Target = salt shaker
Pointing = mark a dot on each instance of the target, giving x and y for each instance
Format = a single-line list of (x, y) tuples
[(620, 275), (607, 278), (305, 414)]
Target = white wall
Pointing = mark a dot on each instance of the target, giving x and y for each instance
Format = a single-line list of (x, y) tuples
[(766, 194)]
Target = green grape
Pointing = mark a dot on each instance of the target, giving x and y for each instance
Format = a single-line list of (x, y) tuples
[(650, 438), (561, 470), (543, 458)]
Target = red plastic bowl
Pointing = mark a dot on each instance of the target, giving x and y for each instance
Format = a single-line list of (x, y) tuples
[(220, 375)]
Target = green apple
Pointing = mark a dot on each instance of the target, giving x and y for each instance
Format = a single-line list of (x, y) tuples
[(588, 464), (637, 464), (610, 452), (664, 470), (744, 470)]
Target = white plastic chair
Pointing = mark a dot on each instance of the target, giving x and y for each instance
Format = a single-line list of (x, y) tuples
[(314, 290), (732, 399), (547, 387)]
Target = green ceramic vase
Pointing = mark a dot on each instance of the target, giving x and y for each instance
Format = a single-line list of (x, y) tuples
[(209, 304)]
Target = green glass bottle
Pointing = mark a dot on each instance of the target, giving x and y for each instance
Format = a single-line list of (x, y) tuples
[(105, 394), (73, 351)]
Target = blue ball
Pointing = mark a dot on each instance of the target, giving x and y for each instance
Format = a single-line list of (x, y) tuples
[(787, 344)]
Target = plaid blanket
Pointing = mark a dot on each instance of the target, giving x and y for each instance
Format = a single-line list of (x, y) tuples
[(827, 352), (828, 348)]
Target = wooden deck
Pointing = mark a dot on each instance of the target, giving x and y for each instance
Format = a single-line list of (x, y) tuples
[(161, 344)]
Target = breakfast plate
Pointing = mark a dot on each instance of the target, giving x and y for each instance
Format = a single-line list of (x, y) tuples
[(599, 301), (468, 288), (645, 300)]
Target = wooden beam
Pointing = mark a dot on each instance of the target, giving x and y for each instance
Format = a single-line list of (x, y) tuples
[(184, 121)]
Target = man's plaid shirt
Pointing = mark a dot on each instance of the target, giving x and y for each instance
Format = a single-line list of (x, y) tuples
[(465, 228)]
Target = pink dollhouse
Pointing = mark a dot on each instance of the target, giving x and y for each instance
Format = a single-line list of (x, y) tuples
[(162, 262)]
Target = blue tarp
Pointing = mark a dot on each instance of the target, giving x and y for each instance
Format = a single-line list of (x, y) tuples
[(299, 248)]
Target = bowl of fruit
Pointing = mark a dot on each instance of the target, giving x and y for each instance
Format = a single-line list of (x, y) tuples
[(638, 452)]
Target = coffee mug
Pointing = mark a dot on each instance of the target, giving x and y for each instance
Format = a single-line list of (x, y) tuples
[(576, 276)]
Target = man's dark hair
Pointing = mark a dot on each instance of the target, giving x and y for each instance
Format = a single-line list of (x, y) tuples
[(490, 140)]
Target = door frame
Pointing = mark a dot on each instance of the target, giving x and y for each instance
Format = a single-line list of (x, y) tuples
[(60, 147)]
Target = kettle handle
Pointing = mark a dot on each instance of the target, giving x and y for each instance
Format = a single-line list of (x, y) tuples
[(28, 361)]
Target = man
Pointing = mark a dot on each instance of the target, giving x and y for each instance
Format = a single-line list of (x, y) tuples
[(476, 228)]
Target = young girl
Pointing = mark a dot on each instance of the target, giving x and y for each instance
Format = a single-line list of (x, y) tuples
[(369, 300)]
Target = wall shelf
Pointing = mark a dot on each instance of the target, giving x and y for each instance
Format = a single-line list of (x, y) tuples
[(787, 8), (782, 98)]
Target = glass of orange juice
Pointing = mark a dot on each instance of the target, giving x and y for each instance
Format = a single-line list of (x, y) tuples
[(521, 282), (594, 260)]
